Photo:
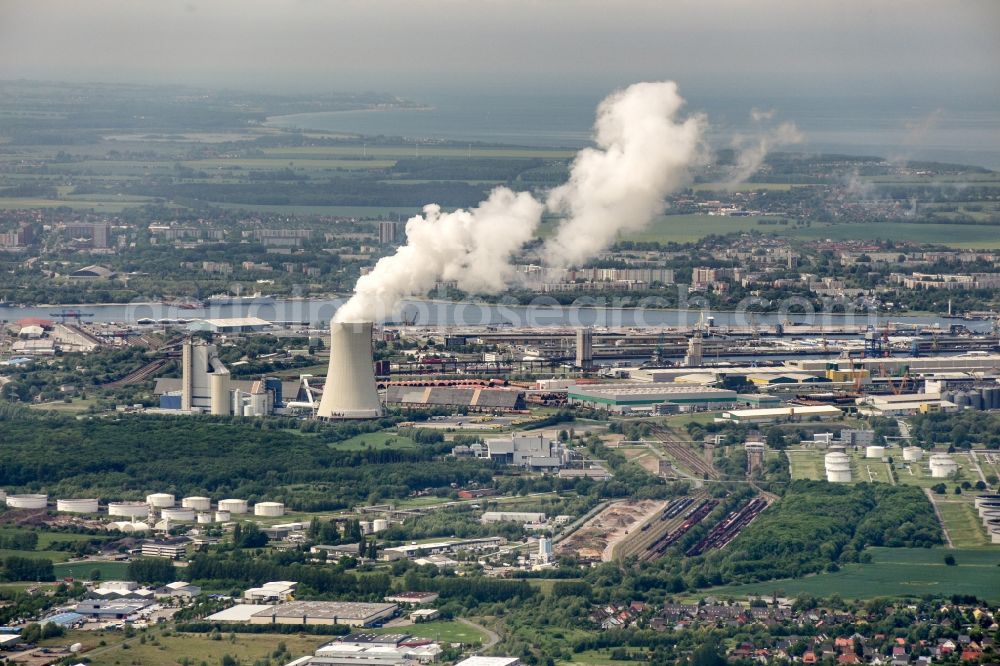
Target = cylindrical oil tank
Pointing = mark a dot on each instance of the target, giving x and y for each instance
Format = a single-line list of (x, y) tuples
[(204, 518), (233, 505), (380, 525), (76, 505), (197, 503), (218, 383), (838, 467), (987, 507), (913, 454), (179, 514), (269, 509), (875, 452), (31, 501), (160, 500), (981, 499), (942, 466), (222, 516), (128, 509)]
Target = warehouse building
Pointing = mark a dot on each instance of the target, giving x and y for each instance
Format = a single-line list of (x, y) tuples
[(533, 452), (373, 650), (902, 405), (415, 550), (623, 398), (476, 398), (792, 412), (347, 613), (231, 325)]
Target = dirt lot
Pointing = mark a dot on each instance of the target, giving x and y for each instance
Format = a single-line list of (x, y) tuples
[(596, 539)]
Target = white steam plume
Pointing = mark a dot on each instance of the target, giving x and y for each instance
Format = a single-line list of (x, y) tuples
[(472, 247), (751, 151), (643, 153)]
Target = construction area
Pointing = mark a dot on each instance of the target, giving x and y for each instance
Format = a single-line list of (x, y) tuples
[(597, 538)]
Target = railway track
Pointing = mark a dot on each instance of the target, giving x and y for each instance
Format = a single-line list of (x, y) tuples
[(695, 512), (139, 375), (680, 451), (729, 527)]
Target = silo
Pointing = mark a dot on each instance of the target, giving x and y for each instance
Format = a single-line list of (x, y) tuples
[(77, 505), (875, 452), (128, 509), (994, 397), (178, 514), (269, 509), (222, 516), (204, 518), (197, 503), (31, 501), (380, 525), (350, 392), (961, 399), (948, 396), (838, 467), (976, 400), (160, 500), (942, 466), (366, 526), (218, 383), (913, 454), (233, 505)]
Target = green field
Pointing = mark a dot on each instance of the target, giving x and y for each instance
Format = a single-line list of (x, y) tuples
[(82, 570), (894, 572), (962, 520), (689, 228), (375, 440), (160, 650), (295, 163), (445, 631), (952, 235), (402, 151)]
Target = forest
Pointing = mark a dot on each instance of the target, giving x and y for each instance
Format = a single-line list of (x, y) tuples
[(129, 456)]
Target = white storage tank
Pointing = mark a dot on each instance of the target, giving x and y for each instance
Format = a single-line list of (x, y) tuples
[(875, 452), (269, 509), (77, 505), (942, 466), (160, 500), (913, 454), (380, 525), (204, 518), (178, 514), (128, 509), (366, 526), (233, 505), (986, 499), (838, 467), (222, 516), (126, 526), (27, 501), (197, 503)]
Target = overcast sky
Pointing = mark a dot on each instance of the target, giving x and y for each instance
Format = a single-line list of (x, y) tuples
[(909, 46)]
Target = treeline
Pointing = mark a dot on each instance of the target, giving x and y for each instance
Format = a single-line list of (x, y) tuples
[(130, 456), (318, 581), (16, 568), (961, 430), (817, 526)]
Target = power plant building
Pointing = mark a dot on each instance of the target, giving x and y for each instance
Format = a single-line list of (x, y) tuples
[(476, 398), (350, 391)]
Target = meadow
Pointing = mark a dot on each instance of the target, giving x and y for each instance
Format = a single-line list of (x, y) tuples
[(893, 572)]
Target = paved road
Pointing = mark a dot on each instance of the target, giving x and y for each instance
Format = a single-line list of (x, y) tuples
[(492, 638)]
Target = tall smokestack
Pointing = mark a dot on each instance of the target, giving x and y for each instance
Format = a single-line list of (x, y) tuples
[(350, 391)]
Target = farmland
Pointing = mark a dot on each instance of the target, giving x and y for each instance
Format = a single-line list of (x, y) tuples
[(910, 572)]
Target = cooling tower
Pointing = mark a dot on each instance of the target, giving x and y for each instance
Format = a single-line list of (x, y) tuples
[(350, 391)]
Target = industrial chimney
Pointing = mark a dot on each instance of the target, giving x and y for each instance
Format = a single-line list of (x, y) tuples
[(350, 391)]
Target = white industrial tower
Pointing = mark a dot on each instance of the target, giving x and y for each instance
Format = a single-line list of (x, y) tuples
[(204, 379), (350, 391)]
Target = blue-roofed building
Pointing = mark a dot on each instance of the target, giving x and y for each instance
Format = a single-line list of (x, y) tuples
[(64, 619)]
